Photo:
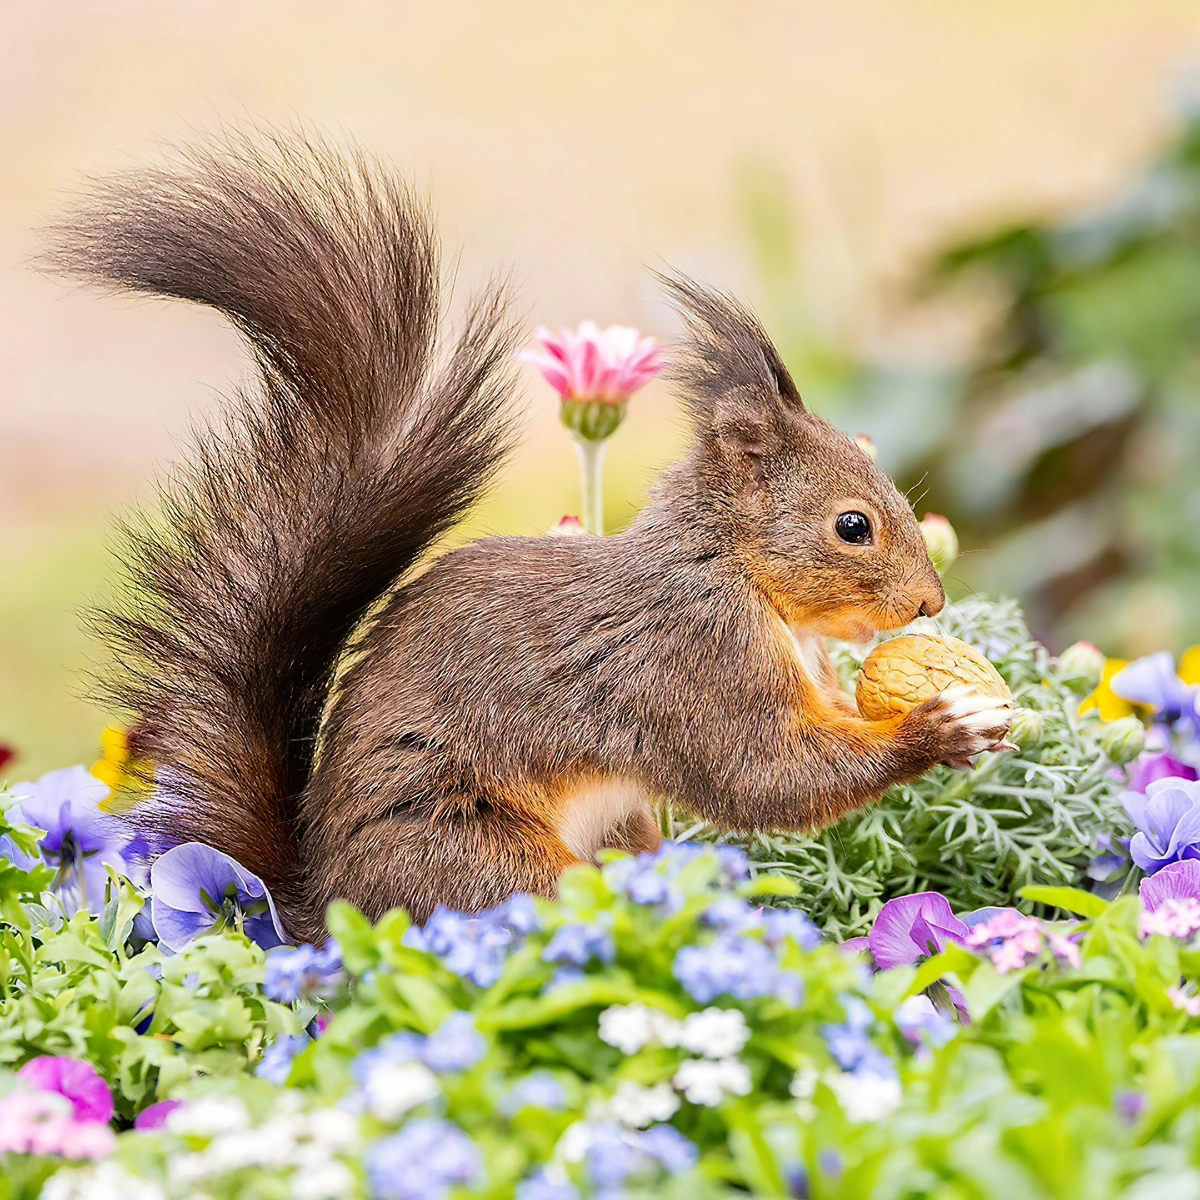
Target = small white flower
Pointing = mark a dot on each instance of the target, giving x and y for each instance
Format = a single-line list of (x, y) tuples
[(865, 1096), (579, 1138), (333, 1129), (209, 1117), (633, 1027), (638, 1106), (394, 1088), (329, 1181), (707, 1082), (715, 1032), (804, 1083), (183, 1170), (106, 1181)]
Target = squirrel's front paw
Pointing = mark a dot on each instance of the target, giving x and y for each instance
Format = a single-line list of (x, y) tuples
[(959, 723)]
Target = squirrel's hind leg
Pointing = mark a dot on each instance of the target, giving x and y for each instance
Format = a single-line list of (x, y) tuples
[(467, 861)]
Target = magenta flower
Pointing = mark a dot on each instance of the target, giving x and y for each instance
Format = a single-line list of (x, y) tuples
[(593, 364), (43, 1123), (73, 1079), (1150, 768), (910, 928), (155, 1117), (1176, 881)]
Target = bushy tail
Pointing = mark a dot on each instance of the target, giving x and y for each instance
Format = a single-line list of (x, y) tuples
[(361, 443)]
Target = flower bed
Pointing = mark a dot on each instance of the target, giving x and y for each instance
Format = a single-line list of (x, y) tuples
[(671, 1025)]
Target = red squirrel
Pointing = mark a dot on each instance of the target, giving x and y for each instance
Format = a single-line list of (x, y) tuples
[(351, 717)]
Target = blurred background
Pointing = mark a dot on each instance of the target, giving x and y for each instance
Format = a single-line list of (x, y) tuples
[(974, 230)]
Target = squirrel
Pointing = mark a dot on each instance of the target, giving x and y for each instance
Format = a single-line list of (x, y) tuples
[(350, 715)]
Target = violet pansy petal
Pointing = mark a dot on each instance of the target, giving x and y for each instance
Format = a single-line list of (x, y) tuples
[(891, 939), (1176, 881), (175, 927), (178, 876), (1143, 853), (1135, 805), (265, 928), (1150, 681), (1186, 834), (1166, 807)]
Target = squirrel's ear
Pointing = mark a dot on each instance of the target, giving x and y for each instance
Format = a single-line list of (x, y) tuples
[(726, 359)]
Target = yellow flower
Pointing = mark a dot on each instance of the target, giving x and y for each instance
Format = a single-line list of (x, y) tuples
[(128, 778), (1105, 701), (1112, 707), (1189, 665)]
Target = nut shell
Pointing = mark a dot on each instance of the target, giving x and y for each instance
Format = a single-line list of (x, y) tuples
[(906, 671)]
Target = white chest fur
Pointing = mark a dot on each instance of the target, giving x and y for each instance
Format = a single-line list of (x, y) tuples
[(594, 809)]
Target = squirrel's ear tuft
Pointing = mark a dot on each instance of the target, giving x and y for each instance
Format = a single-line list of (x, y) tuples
[(725, 353)]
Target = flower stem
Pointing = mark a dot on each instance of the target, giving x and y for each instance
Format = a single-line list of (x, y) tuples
[(591, 482)]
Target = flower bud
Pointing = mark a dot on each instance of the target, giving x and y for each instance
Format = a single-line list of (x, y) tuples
[(1027, 728), (867, 446), (1080, 667), (592, 420), (940, 540), (1123, 740), (567, 527)]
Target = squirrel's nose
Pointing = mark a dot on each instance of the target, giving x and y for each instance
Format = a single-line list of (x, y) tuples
[(933, 603)]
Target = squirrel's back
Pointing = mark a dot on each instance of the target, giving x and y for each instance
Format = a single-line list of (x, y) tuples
[(360, 443), (521, 705)]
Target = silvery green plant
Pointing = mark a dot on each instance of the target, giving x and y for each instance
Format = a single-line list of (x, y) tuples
[(1039, 815)]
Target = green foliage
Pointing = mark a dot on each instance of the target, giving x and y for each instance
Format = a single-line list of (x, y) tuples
[(1019, 818), (147, 1022), (1080, 1083)]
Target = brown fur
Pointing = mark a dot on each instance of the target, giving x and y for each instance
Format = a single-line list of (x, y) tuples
[(521, 693)]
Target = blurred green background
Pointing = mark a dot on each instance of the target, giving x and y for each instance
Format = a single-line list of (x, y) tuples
[(973, 229)]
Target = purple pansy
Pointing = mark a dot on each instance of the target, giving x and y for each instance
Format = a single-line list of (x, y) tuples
[(1176, 881), (1168, 823), (910, 928), (75, 1080), (80, 842), (196, 890), (1152, 681)]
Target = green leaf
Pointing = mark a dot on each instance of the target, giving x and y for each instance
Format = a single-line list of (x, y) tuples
[(1072, 900), (429, 1003), (355, 935), (769, 885), (563, 1002), (987, 987), (955, 959)]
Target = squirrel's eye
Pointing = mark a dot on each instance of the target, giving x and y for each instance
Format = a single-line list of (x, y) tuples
[(853, 527)]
